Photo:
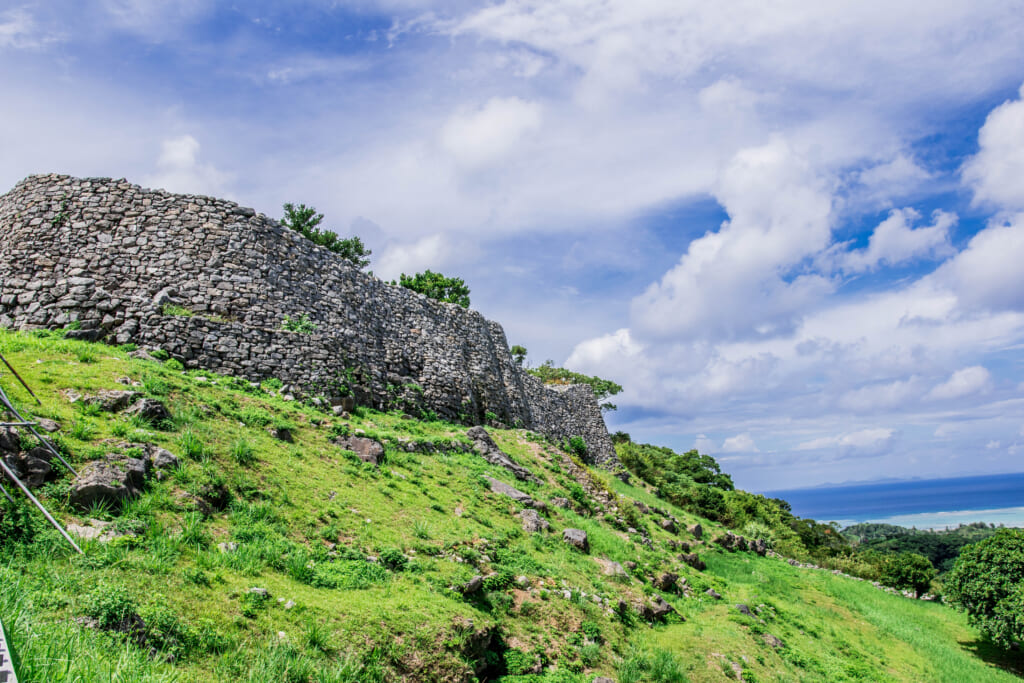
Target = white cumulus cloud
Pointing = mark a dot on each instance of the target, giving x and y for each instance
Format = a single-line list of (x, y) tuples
[(964, 382), (995, 172), (741, 443), (179, 169), (895, 241), (487, 135)]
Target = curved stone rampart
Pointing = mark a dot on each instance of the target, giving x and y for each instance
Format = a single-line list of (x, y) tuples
[(211, 282)]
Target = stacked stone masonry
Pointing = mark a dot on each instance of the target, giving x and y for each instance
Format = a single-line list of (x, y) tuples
[(114, 259)]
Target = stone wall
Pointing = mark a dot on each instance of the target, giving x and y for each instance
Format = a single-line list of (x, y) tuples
[(115, 258)]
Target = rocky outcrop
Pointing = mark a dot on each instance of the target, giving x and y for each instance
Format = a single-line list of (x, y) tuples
[(210, 282), (108, 481), (577, 538), (367, 450), (490, 452)]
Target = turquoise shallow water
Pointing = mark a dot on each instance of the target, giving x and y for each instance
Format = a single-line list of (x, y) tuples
[(926, 503)]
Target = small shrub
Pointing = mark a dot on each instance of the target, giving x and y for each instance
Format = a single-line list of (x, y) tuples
[(160, 354), (252, 416), (109, 605), (191, 445), (176, 310), (301, 324), (242, 452), (173, 364), (393, 559), (317, 636), (82, 430), (253, 603)]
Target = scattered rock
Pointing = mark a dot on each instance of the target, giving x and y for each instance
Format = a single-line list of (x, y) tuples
[(110, 480), (603, 679), (772, 640), (113, 400), (668, 525), (693, 560), (697, 531), (472, 586), (659, 608), (631, 565), (713, 593), (10, 440), (642, 507), (610, 568), (48, 426), (666, 582), (731, 541), (485, 445), (187, 501), (577, 538), (533, 522), (141, 354), (100, 530), (262, 592), (743, 609), (32, 468), (759, 546), (150, 409), (560, 502), (227, 547), (285, 434), (368, 450), (162, 459), (510, 491)]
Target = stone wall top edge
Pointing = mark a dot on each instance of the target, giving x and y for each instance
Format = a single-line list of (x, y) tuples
[(38, 180)]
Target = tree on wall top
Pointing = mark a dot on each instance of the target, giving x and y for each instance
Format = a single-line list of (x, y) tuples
[(452, 290), (306, 221)]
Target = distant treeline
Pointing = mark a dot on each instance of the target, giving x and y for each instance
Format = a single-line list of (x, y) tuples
[(942, 547), (903, 558)]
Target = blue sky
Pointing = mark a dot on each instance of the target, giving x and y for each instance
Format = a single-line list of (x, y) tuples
[(793, 231)]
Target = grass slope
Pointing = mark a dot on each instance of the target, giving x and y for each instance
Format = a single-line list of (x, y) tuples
[(306, 517)]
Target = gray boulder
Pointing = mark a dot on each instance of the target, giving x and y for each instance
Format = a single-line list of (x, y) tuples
[(697, 531), (666, 582), (668, 525), (10, 440), (693, 559), (285, 434), (659, 608), (713, 593), (473, 585), (743, 609), (149, 409), (113, 400), (368, 450), (485, 446), (512, 492), (560, 502), (759, 546), (110, 480), (32, 468), (577, 538), (533, 522), (162, 459)]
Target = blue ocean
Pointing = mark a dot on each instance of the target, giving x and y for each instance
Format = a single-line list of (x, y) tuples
[(924, 503)]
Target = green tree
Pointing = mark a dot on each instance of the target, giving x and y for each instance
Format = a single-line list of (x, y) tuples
[(519, 354), (452, 290), (602, 388), (987, 582), (908, 571), (306, 221)]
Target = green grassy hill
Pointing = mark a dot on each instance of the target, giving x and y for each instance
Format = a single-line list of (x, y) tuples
[(361, 569)]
